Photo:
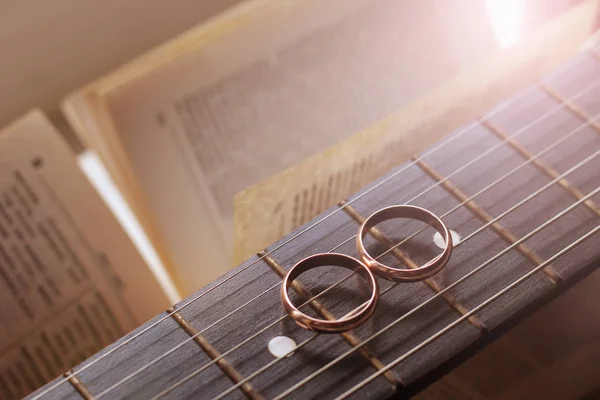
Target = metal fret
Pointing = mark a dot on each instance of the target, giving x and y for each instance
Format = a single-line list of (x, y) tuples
[(485, 217), (571, 106), (213, 353), (349, 337), (403, 258), (541, 165), (78, 385)]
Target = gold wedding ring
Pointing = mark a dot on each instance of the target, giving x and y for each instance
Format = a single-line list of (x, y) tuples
[(400, 274), (347, 322)]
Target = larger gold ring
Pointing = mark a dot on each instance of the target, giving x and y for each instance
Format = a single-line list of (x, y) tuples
[(347, 322), (400, 274)]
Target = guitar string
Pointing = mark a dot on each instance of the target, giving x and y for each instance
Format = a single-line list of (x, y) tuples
[(274, 286), (308, 340), (524, 201), (275, 360), (454, 284), (510, 173), (564, 68), (171, 351), (470, 313), (208, 364)]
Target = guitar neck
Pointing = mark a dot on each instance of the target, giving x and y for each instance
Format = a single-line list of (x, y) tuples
[(519, 187)]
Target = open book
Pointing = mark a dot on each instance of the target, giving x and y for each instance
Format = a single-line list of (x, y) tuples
[(252, 92), (268, 84), (71, 281)]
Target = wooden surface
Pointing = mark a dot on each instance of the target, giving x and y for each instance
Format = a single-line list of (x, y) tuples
[(223, 318)]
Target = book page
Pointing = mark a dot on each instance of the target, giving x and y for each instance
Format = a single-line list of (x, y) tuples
[(71, 281)]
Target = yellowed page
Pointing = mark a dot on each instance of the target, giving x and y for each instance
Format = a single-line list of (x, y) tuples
[(267, 211), (71, 282)]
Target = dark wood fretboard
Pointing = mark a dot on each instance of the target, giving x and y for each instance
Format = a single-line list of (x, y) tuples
[(533, 162)]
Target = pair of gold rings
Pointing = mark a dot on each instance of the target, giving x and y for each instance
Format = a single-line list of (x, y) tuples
[(367, 268)]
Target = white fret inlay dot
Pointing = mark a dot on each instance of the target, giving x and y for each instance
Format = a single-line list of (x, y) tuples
[(439, 240), (282, 346)]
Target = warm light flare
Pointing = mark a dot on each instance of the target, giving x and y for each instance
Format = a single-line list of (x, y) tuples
[(506, 18)]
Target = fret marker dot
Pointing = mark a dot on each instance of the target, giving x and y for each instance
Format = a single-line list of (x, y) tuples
[(282, 346), (439, 240)]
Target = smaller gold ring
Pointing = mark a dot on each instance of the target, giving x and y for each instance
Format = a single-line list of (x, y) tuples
[(400, 274), (347, 322)]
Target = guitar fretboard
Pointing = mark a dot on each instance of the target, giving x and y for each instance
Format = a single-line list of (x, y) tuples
[(520, 187)]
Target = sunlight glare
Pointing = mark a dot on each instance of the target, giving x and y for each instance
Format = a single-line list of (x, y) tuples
[(506, 18)]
